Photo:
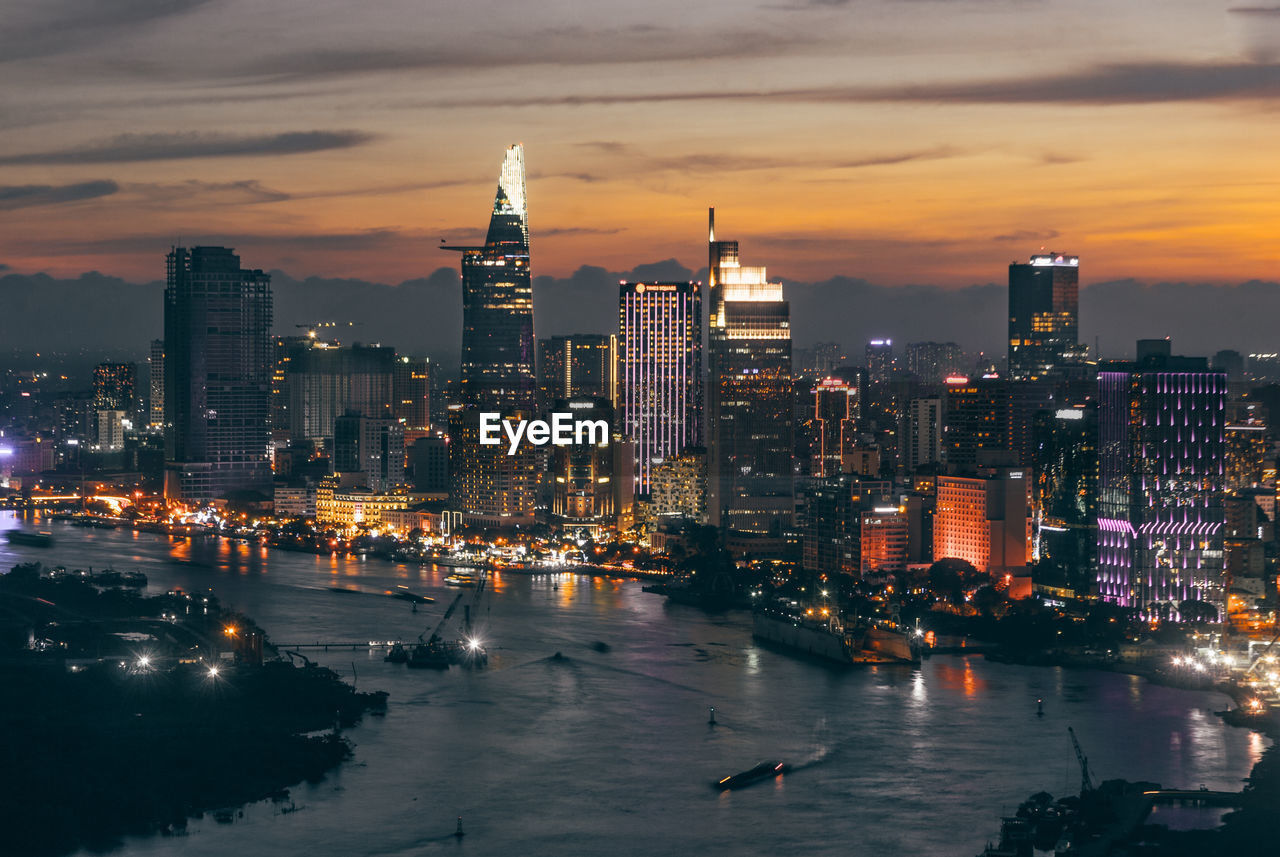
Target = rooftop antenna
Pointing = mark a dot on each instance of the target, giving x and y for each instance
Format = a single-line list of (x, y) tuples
[(711, 225)]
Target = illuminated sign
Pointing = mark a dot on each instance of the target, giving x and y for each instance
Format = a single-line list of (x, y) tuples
[(563, 430), (1070, 414)]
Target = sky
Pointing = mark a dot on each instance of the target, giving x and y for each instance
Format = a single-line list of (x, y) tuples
[(896, 142)]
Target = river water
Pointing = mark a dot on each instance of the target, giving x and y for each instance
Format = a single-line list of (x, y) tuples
[(609, 751)]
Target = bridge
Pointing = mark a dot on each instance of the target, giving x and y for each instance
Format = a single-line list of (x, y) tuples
[(341, 644)]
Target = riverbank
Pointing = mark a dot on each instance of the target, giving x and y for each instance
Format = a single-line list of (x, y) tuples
[(99, 747)]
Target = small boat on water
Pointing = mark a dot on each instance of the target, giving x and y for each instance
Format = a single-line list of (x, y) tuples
[(762, 771), (24, 537), (398, 654), (461, 578)]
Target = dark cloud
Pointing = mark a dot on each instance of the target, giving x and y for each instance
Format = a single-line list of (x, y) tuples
[(1128, 83), (161, 147), (1026, 236), (24, 196), (244, 192), (36, 28)]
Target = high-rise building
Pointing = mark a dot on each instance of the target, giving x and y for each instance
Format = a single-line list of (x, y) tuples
[(429, 458), (1044, 306), (884, 540), (660, 371), (977, 421), (1161, 441), (155, 414), (923, 437), (678, 486), (114, 386), (835, 414), (497, 302), (586, 494), (490, 487), (985, 520), (581, 366), (750, 405), (1065, 496), (411, 392), (324, 380), (932, 362), (218, 362), (879, 358)]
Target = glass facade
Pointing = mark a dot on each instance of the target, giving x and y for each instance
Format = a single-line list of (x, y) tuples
[(1161, 438), (660, 368), (218, 363), (750, 414), (1044, 309)]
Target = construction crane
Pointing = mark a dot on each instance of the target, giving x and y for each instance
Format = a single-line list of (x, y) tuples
[(435, 635), (1086, 781), (1266, 650)]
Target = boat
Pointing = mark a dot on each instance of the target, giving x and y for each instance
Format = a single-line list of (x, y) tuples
[(403, 593), (398, 654), (24, 537), (762, 771), (831, 639), (461, 578), (429, 656)]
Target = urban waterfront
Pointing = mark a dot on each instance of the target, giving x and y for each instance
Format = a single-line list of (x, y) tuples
[(607, 749)]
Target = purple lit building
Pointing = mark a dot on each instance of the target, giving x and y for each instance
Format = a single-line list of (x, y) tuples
[(660, 371), (1161, 448)]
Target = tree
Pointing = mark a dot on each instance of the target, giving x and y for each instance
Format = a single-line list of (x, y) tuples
[(1196, 611)]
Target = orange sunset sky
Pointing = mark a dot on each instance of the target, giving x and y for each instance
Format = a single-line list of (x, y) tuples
[(899, 141)]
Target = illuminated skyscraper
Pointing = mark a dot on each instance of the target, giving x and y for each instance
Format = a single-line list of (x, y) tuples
[(750, 406), (497, 302), (835, 412), (411, 392), (977, 421), (155, 416), (218, 362), (1161, 448), (879, 357), (114, 386), (488, 486), (660, 368), (1065, 488), (1044, 306), (932, 362)]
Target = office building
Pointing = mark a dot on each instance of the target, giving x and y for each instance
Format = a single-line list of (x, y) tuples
[(218, 362), (1044, 308), (591, 484), (660, 371), (155, 413), (1161, 441), (977, 421), (879, 360), (581, 366), (114, 386), (750, 403), (883, 541), (933, 362), (1065, 496), (497, 303), (429, 460), (411, 392), (834, 426), (922, 441), (325, 380)]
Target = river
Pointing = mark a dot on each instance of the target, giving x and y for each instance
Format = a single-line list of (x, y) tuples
[(608, 750)]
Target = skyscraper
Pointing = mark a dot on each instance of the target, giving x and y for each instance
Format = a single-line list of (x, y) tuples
[(1065, 488), (750, 406), (218, 363), (490, 487), (156, 403), (879, 357), (584, 365), (660, 368), (1044, 306), (835, 412), (1161, 443), (114, 386), (497, 302), (411, 392), (324, 380), (977, 421), (932, 362)]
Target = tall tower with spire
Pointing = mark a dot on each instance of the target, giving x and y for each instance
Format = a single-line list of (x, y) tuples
[(497, 302), (489, 487)]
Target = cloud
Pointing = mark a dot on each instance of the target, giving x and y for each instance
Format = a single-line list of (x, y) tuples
[(1023, 236), (1116, 84), (161, 147), (36, 28), (1255, 10), (243, 192), (25, 196)]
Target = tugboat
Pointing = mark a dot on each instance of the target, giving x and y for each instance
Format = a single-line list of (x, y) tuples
[(762, 771)]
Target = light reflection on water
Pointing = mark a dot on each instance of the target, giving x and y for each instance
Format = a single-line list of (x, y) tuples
[(610, 751)]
